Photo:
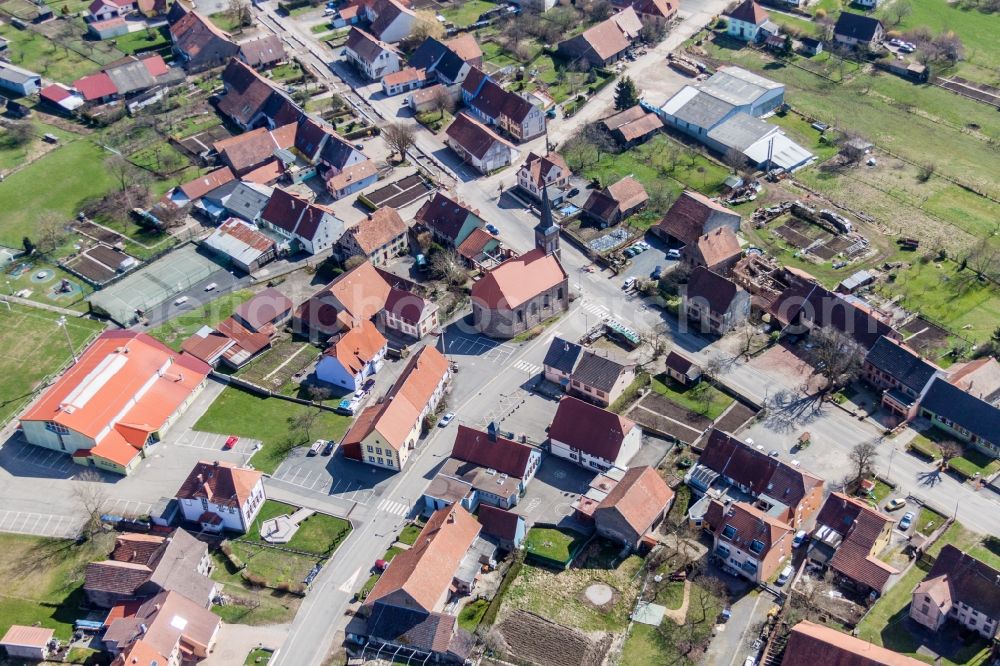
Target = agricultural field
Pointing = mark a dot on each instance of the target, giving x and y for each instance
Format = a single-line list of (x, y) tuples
[(978, 31), (32, 346)]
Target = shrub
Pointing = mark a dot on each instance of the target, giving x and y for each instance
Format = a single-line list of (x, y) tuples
[(820, 13), (254, 579)]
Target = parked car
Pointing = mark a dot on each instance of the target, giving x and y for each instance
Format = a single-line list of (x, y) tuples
[(895, 503), (657, 272), (211, 286), (724, 616), (316, 447), (231, 441), (785, 574), (573, 192), (181, 301), (446, 419), (774, 453), (750, 661), (799, 538), (629, 284), (328, 448), (906, 521), (673, 254), (492, 228)]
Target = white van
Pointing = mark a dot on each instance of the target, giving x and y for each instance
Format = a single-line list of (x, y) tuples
[(181, 301)]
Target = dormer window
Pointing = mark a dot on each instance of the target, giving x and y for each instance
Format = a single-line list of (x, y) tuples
[(756, 547), (729, 532)]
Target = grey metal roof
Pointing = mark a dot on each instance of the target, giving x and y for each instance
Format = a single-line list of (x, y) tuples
[(562, 355), (15, 74), (247, 201), (598, 371), (704, 110), (131, 76), (738, 86), (740, 131)]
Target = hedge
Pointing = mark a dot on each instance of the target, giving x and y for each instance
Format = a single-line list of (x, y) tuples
[(490, 616), (925, 448)]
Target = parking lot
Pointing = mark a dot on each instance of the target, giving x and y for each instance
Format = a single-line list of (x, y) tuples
[(479, 346), (211, 441), (330, 476), (39, 524), (24, 459), (127, 508), (551, 493)]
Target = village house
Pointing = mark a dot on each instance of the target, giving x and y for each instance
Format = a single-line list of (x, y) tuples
[(102, 10), (356, 295), (806, 305), (251, 151), (848, 538), (19, 80), (312, 227), (406, 608), (713, 303), (449, 221), (221, 496), (746, 21), (508, 111), (960, 588), (385, 434), (264, 311), (390, 21), (252, 101), (616, 202), (505, 527), (560, 361), (901, 374), (144, 565), (694, 215), (481, 250), (373, 58), (523, 291), (403, 81), (652, 11), (718, 251), (193, 190), (119, 398), (238, 199), (478, 145), (128, 78), (788, 493), (440, 62), (633, 126), (409, 314), (682, 369), (747, 542), (599, 378), (979, 377), (549, 172), (962, 415), (467, 48), (812, 644), (242, 245), (263, 52), (199, 45), (858, 30), (353, 357), (634, 507), (379, 237), (169, 628), (492, 469), (605, 42), (591, 437)]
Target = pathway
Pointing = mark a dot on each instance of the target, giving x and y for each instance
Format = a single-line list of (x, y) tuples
[(43, 306), (679, 614)]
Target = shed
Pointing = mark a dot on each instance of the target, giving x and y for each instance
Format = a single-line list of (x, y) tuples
[(23, 642)]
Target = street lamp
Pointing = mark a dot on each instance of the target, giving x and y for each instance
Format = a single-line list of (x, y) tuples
[(888, 473), (61, 323)]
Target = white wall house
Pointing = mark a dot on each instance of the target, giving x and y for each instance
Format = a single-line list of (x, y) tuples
[(221, 496)]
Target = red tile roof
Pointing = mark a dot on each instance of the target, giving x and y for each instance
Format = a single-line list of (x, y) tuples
[(223, 483), (589, 428), (358, 347), (817, 645), (96, 86), (419, 578), (639, 498), (686, 218), (473, 136), (749, 12), (752, 524), (498, 522), (465, 47), (504, 455), (717, 246), (202, 185), (860, 526), (518, 280)]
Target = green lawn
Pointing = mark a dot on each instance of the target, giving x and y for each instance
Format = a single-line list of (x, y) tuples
[(409, 534), (928, 520), (553, 544), (665, 644), (44, 580), (237, 412), (973, 462), (472, 614), (671, 595), (258, 657), (977, 30), (143, 40), (986, 549), (949, 296), (57, 183), (35, 52), (881, 491), (467, 13), (925, 446), (289, 71), (160, 157), (32, 346), (559, 80), (250, 605), (702, 398), (176, 331)]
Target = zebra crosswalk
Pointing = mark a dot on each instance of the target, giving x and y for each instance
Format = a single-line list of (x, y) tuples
[(395, 508), (525, 366), (596, 309)]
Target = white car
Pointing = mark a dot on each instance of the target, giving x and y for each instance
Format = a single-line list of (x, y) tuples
[(673, 254), (785, 574), (446, 419), (629, 284), (181, 301), (211, 286), (799, 538)]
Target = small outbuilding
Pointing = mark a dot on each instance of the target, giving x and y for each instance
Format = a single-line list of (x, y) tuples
[(30, 643)]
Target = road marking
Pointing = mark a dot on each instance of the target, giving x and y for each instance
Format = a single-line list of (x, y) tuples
[(395, 508), (348, 585), (530, 368)]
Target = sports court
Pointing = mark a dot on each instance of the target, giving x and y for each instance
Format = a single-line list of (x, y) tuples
[(154, 284)]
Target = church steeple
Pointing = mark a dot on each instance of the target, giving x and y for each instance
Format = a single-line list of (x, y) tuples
[(546, 231)]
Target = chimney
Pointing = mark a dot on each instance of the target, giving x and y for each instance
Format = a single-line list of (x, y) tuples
[(491, 431), (451, 516), (201, 478)]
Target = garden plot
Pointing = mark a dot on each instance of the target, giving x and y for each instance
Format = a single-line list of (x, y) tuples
[(399, 194), (537, 640)]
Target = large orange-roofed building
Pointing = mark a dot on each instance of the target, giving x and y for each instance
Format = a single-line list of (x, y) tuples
[(122, 395)]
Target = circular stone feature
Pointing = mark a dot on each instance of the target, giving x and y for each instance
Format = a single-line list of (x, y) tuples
[(599, 594), (43, 275)]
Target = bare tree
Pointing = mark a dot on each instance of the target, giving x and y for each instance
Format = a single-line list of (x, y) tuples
[(949, 449), (747, 334), (90, 495), (337, 102), (426, 25), (399, 138), (984, 258), (124, 173), (898, 11), (735, 160), (836, 356), (863, 456), (318, 393), (424, 240), (580, 153), (597, 137), (303, 423), (449, 267), (442, 102), (712, 367), (51, 231), (238, 12), (18, 134)]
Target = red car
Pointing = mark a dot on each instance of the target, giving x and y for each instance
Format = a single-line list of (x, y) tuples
[(231, 441)]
